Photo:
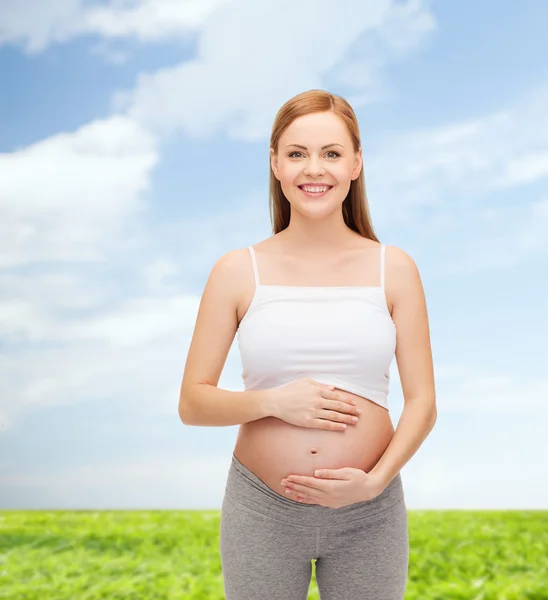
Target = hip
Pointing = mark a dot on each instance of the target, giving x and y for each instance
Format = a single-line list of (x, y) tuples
[(249, 492)]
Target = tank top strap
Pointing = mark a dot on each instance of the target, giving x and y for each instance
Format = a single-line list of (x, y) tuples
[(255, 270), (383, 248)]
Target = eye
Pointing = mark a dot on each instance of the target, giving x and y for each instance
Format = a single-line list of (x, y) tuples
[(291, 154)]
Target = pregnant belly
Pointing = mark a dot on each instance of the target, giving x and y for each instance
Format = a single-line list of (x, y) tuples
[(273, 449)]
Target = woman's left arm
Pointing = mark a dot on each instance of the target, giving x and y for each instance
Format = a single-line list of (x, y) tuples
[(415, 364)]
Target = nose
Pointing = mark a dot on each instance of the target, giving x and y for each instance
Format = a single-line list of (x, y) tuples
[(314, 168)]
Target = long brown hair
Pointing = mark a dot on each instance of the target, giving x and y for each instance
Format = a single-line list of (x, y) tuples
[(355, 207)]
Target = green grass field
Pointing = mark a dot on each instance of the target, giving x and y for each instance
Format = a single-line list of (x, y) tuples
[(145, 555)]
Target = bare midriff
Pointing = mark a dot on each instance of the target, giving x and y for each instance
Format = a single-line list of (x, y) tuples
[(272, 449)]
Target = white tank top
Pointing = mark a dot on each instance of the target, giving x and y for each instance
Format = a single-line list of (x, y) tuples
[(341, 336)]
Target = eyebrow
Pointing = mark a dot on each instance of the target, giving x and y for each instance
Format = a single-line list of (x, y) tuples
[(323, 147)]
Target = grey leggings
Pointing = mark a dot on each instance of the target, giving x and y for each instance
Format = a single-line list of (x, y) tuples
[(267, 543)]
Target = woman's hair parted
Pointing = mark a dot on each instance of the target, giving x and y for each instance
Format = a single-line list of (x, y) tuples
[(355, 206)]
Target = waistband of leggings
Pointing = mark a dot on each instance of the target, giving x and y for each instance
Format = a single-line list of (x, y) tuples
[(249, 491)]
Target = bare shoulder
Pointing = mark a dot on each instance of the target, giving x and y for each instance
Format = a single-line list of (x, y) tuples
[(398, 258), (233, 273), (232, 262), (402, 276), (399, 263), (223, 288)]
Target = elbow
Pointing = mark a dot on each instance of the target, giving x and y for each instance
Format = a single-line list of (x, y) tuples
[(184, 408), (182, 415), (185, 416), (433, 416), (426, 406)]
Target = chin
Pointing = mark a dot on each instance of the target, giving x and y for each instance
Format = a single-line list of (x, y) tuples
[(318, 214)]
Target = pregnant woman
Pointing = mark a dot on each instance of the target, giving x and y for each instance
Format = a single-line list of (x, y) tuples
[(320, 309)]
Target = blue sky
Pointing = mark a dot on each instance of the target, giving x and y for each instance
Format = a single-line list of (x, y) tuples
[(134, 153)]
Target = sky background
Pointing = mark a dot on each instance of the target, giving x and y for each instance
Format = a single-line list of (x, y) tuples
[(134, 153)]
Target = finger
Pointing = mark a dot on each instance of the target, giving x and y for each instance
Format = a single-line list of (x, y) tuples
[(303, 479), (296, 489), (306, 499), (309, 483), (329, 393), (330, 474), (322, 385)]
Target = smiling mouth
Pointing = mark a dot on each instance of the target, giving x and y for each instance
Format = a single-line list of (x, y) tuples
[(315, 191)]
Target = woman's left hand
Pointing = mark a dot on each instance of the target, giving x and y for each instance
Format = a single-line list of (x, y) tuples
[(334, 488)]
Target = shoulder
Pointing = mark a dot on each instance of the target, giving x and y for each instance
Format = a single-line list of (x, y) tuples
[(396, 258), (402, 273), (232, 274), (239, 260), (232, 261), (232, 266)]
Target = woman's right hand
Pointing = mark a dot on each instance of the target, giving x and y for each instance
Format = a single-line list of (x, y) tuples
[(309, 403)]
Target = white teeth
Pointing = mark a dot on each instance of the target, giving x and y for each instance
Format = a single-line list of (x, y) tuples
[(315, 189)]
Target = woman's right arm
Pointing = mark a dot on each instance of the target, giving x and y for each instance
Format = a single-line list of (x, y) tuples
[(201, 402)]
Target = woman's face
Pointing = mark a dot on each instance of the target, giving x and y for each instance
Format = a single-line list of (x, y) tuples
[(304, 158)]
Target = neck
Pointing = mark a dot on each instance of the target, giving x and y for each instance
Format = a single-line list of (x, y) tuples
[(316, 237)]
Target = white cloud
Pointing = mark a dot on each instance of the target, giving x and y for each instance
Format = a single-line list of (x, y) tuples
[(524, 169), (134, 351), (463, 389), (148, 20), (468, 389), (67, 198), (71, 341), (449, 166), (72, 332), (139, 321), (515, 234), (36, 25), (238, 84)]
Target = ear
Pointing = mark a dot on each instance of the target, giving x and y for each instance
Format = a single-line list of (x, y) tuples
[(274, 163), (357, 165)]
